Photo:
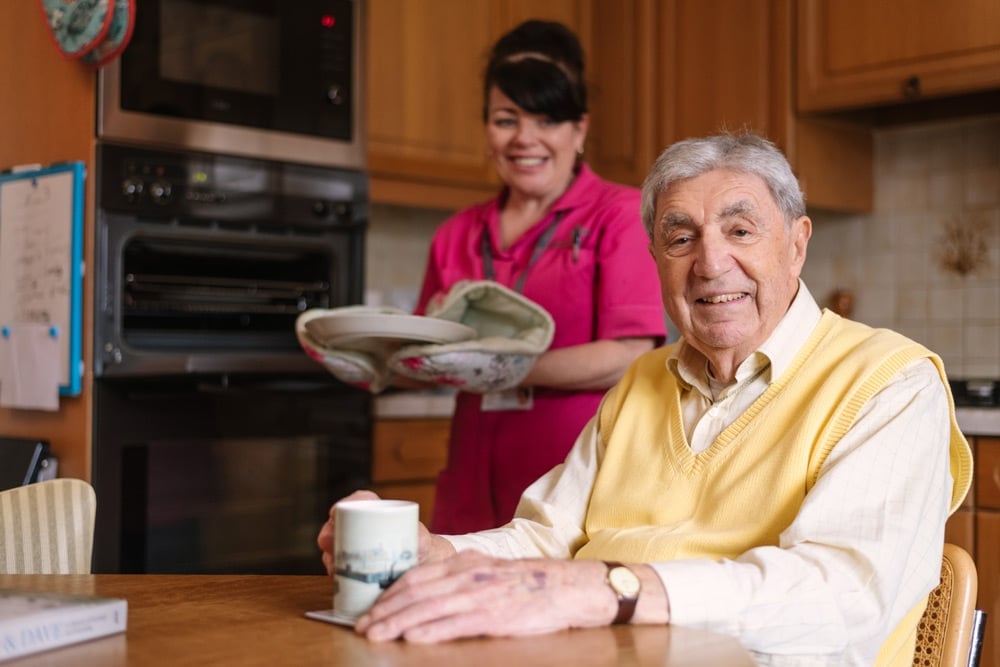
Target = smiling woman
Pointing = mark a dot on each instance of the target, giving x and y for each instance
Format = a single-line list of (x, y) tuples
[(565, 239)]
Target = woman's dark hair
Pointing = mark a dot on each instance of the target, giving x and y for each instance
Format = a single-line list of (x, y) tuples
[(539, 66)]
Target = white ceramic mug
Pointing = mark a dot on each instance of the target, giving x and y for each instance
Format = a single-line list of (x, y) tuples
[(375, 542)]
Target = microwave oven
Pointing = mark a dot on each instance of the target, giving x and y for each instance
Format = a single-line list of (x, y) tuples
[(268, 79)]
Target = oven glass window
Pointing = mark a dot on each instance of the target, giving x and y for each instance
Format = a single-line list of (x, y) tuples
[(237, 505), (225, 475), (218, 47)]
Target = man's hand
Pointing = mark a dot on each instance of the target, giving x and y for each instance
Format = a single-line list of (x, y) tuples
[(431, 547), (472, 594)]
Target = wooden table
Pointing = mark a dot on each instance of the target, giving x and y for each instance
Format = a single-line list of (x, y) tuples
[(209, 620)]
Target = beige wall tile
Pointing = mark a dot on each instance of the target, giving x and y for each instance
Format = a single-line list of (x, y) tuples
[(982, 187), (913, 307), (946, 305), (982, 303)]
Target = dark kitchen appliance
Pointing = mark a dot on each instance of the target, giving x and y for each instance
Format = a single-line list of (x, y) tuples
[(261, 78), (980, 393), (218, 445), (25, 461)]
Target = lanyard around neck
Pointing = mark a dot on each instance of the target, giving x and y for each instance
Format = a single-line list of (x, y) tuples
[(540, 245)]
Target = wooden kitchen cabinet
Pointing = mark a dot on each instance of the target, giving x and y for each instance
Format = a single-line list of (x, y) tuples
[(657, 70), (987, 551), (961, 529), (856, 53), (665, 70), (987, 556), (407, 455), (425, 60)]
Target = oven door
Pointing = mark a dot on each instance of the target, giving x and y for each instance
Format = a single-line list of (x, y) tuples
[(263, 78), (174, 301), (223, 475)]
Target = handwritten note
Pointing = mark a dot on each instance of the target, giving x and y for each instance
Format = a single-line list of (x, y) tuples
[(36, 237)]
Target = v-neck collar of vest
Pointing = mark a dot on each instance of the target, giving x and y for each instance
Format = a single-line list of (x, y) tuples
[(692, 463)]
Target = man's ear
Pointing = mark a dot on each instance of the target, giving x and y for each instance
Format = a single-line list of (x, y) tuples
[(801, 232)]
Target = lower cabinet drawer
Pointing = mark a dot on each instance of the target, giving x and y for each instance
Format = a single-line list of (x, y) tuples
[(988, 472), (961, 530), (407, 455), (409, 449)]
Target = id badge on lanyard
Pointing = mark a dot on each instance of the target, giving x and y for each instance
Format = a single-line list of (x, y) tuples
[(518, 398)]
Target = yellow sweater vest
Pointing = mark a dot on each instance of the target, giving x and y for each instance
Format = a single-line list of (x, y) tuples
[(655, 500)]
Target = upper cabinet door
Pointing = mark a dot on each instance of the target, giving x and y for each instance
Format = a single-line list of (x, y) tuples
[(426, 139), (720, 68), (621, 144), (425, 129), (666, 70), (856, 53)]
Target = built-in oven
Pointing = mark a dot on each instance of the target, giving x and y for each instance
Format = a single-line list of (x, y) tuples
[(272, 79), (218, 445)]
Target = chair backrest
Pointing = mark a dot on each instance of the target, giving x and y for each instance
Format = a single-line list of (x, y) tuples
[(47, 527), (945, 633)]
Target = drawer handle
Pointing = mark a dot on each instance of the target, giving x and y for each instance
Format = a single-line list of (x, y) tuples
[(911, 88)]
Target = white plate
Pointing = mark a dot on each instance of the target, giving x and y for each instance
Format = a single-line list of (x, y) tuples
[(330, 616), (365, 330)]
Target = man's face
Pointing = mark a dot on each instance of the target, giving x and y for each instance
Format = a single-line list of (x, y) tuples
[(728, 262)]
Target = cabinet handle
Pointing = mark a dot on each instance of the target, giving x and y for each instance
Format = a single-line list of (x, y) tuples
[(911, 88)]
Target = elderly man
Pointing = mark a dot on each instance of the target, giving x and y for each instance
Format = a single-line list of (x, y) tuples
[(780, 474)]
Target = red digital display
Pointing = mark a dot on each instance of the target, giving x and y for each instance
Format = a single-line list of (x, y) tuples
[(328, 20)]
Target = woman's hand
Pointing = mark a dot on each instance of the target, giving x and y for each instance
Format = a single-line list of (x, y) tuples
[(431, 547), (472, 594)]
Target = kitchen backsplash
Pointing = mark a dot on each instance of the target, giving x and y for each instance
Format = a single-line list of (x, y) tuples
[(398, 240), (937, 188)]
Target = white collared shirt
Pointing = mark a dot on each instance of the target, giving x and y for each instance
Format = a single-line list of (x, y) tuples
[(705, 416), (884, 491)]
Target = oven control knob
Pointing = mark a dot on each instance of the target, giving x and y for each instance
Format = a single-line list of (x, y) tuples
[(320, 208), (112, 354), (335, 95), (159, 192), (132, 188)]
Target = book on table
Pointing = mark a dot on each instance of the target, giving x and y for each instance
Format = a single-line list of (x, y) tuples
[(34, 621)]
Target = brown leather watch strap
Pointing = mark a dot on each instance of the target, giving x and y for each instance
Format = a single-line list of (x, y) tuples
[(626, 603)]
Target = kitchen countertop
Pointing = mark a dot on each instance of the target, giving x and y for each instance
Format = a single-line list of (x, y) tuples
[(430, 404), (979, 421), (440, 403)]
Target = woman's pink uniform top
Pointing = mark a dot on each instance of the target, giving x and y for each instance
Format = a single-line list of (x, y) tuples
[(597, 279)]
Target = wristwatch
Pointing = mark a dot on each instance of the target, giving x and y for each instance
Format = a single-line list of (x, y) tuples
[(626, 586)]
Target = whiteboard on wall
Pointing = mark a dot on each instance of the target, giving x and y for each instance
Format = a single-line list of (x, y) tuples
[(41, 258)]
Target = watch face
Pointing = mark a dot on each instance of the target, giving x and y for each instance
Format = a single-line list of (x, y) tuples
[(624, 581)]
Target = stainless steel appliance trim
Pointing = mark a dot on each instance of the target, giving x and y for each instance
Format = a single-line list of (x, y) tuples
[(149, 364), (148, 129)]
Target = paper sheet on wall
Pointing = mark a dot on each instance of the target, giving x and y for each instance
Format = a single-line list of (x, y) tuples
[(29, 367), (41, 257), (35, 242)]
